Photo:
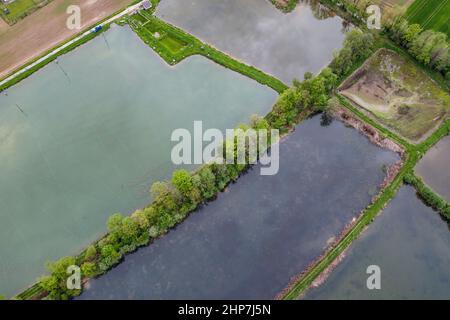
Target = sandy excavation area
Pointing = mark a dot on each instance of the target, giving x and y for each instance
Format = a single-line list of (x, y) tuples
[(401, 96), (46, 28)]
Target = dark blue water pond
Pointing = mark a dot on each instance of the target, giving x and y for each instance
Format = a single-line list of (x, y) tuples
[(264, 229), (410, 243)]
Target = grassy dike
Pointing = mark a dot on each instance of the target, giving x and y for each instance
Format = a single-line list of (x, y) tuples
[(43, 63), (428, 196), (174, 45), (191, 46), (155, 214), (413, 155), (36, 292), (185, 45), (66, 50)]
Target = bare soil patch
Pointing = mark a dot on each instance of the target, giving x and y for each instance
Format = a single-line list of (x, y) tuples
[(46, 28)]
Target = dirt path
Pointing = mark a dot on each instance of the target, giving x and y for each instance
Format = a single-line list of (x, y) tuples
[(46, 28)]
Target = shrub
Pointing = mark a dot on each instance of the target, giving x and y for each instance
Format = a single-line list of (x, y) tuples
[(90, 253), (56, 283), (89, 269), (429, 47), (428, 195)]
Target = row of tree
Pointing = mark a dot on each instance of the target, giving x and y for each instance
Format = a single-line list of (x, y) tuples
[(186, 191), (428, 47), (286, 5), (172, 201), (313, 93)]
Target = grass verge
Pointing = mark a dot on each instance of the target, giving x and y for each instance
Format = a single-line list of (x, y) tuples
[(413, 154), (428, 196), (35, 68), (19, 9)]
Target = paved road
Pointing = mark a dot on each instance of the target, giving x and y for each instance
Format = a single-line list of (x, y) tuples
[(59, 49)]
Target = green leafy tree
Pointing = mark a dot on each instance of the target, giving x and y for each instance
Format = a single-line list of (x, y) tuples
[(184, 184), (206, 182), (221, 174), (258, 123), (159, 189), (286, 109), (127, 231), (56, 283), (412, 32), (308, 75), (90, 253), (182, 180), (109, 257)]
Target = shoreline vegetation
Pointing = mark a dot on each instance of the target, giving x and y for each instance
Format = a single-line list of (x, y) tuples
[(75, 45), (377, 138), (20, 11), (430, 48), (428, 195), (326, 263), (189, 190), (174, 45), (285, 6), (174, 200), (191, 44)]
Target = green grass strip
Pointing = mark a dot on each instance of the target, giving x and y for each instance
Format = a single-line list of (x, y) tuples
[(428, 195), (43, 63), (174, 45), (89, 37), (289, 5), (368, 216), (414, 154)]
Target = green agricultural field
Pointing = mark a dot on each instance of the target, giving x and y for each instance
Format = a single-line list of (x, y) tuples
[(19, 9), (155, 32), (431, 14), (398, 94)]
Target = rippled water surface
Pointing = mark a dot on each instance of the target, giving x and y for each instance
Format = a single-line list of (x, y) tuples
[(284, 45), (409, 242), (74, 149)]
